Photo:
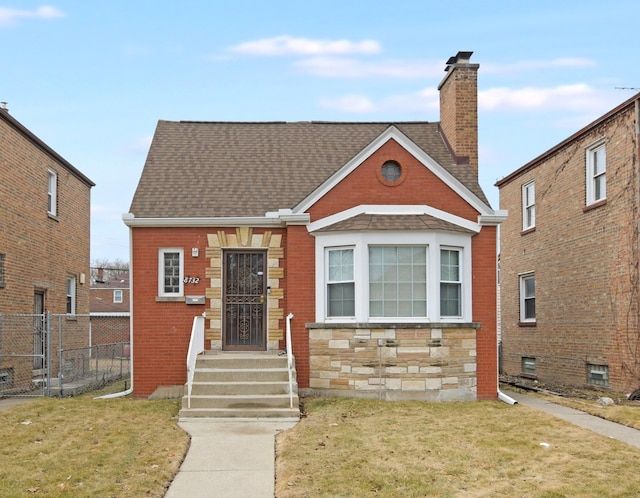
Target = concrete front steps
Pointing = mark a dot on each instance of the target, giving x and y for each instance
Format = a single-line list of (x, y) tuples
[(241, 386)]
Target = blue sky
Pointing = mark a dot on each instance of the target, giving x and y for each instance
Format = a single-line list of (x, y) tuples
[(92, 78)]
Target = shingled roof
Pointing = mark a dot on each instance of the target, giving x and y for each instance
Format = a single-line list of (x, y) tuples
[(243, 169)]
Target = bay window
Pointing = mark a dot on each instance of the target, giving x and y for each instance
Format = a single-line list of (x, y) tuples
[(419, 277)]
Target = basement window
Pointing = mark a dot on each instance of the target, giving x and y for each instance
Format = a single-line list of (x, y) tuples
[(598, 375), (528, 365)]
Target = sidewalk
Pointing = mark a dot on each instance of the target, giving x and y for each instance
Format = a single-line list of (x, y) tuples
[(230, 459), (581, 419)]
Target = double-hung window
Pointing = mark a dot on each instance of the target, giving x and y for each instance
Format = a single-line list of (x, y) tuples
[(52, 193), (340, 283), (596, 177), (71, 295), (170, 272), (528, 298), (528, 205), (117, 296), (450, 283)]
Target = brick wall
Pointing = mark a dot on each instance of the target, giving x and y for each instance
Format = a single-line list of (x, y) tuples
[(40, 251), (585, 262)]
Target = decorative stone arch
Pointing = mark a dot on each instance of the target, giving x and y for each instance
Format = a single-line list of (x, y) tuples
[(245, 238)]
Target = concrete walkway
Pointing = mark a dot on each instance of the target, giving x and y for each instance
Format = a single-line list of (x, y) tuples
[(581, 419), (230, 459)]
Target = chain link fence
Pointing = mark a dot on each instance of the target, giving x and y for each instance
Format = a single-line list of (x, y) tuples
[(62, 355)]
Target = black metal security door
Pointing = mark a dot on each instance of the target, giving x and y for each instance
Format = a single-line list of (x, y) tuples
[(244, 301)]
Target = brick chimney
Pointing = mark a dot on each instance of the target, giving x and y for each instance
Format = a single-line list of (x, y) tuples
[(459, 109)]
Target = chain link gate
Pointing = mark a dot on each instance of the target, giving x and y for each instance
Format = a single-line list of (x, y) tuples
[(61, 355)]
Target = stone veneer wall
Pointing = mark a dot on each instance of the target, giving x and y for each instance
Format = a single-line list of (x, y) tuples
[(244, 238), (431, 362)]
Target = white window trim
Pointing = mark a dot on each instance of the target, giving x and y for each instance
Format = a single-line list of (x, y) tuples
[(590, 173), (52, 192), (360, 241), (71, 292), (161, 253), (326, 276), (117, 296), (526, 188), (460, 281), (522, 278)]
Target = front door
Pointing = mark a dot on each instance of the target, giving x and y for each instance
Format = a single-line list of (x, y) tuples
[(244, 301)]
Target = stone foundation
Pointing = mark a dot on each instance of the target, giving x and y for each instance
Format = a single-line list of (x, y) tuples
[(430, 362)]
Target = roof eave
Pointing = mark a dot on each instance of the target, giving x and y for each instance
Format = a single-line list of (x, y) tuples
[(271, 220)]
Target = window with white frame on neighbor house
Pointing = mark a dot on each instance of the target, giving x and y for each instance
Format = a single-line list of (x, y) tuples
[(170, 269), (117, 296), (71, 295), (596, 175), (52, 193), (361, 277), (528, 298), (528, 205)]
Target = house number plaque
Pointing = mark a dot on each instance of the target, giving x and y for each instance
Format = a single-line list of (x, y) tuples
[(191, 280)]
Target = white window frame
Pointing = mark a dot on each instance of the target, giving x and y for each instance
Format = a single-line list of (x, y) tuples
[(330, 282), (593, 176), (361, 242), (161, 253), (523, 297), (459, 282), (529, 205), (117, 295), (52, 193), (71, 295)]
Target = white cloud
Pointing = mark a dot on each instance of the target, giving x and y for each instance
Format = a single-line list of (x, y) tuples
[(577, 97), (349, 103), (340, 67), (288, 45), (9, 17), (420, 102), (535, 65)]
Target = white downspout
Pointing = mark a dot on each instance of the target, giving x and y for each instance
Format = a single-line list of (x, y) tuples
[(130, 390)]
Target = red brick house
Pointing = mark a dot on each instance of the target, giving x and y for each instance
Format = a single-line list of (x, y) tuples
[(376, 236), (569, 259), (109, 306), (44, 252)]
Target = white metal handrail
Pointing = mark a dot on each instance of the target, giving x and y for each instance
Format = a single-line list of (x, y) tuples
[(290, 359), (196, 346)]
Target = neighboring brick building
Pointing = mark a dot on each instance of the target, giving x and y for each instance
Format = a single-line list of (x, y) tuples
[(376, 236), (569, 259), (44, 243), (109, 307)]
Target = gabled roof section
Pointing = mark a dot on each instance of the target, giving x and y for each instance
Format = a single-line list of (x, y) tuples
[(20, 128), (243, 169), (393, 133)]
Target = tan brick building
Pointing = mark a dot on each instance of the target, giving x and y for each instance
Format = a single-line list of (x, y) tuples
[(44, 235), (569, 259)]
